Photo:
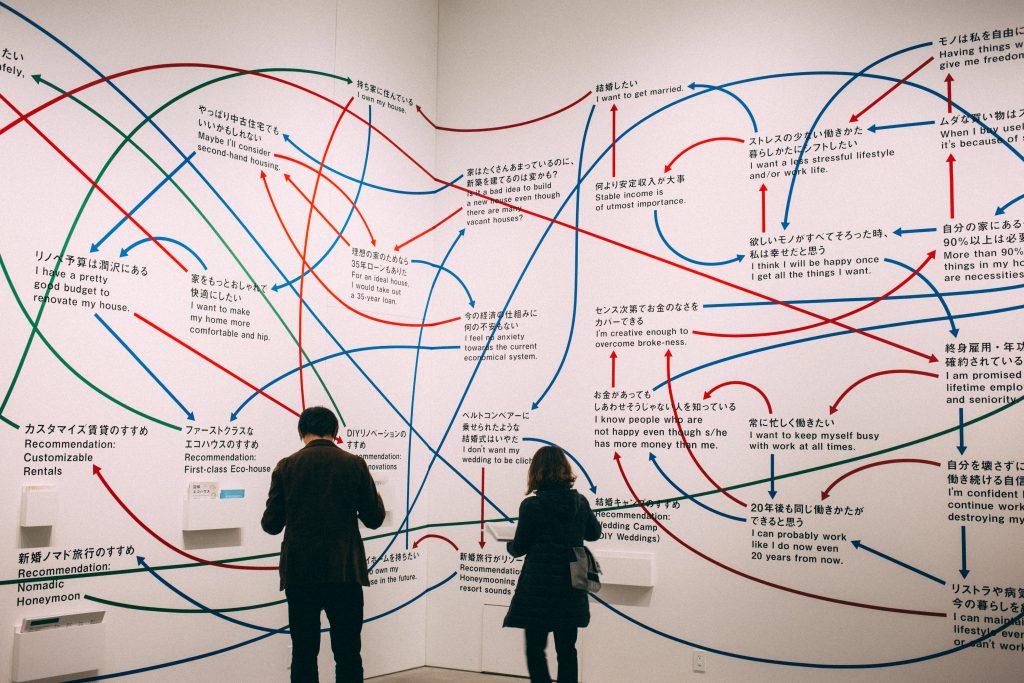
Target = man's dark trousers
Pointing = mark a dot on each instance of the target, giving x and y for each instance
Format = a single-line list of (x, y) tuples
[(343, 603)]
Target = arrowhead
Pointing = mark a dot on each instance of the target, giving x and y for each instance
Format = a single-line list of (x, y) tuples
[(951, 158), (263, 176), (824, 495), (933, 359), (739, 258), (93, 248), (140, 560), (853, 119), (832, 410), (999, 211), (398, 247), (707, 395), (614, 108), (772, 494), (482, 544), (337, 439), (593, 489), (287, 138), (932, 254), (234, 416), (898, 232), (276, 288), (418, 109), (955, 331), (949, 78), (965, 572), (873, 128), (652, 457), (416, 545), (614, 355), (785, 224), (191, 416), (535, 405), (668, 168), (472, 304), (763, 188), (373, 242), (668, 354), (96, 469), (124, 252), (962, 449), (462, 233), (693, 85), (287, 177), (37, 77), (616, 457), (856, 544)]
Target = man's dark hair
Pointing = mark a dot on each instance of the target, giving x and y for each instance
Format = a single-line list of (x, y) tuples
[(318, 421)]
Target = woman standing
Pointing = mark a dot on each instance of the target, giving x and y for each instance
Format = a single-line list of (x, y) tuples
[(551, 523)]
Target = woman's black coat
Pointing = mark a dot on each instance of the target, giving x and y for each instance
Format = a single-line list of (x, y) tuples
[(551, 523)]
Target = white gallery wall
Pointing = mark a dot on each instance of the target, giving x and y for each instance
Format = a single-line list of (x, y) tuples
[(756, 268)]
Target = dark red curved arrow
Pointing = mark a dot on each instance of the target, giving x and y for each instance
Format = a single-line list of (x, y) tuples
[(803, 328), (824, 494), (447, 540), (764, 582), (668, 166), (679, 427), (832, 409), (506, 126), (96, 470), (707, 394)]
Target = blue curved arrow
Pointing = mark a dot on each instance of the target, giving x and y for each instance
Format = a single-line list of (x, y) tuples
[(415, 377), (188, 413), (872, 328), (1000, 210), (472, 303), (575, 268), (351, 210), (810, 133), (810, 665), (952, 324), (593, 486), (440, 188), (694, 86), (654, 459), (657, 226), (338, 354), (145, 240), (95, 246)]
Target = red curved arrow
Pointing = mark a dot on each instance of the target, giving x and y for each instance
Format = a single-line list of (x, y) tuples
[(362, 218), (506, 126), (96, 470), (869, 304), (824, 494), (447, 540), (305, 241), (679, 427), (834, 408), (428, 230), (764, 582), (668, 166), (952, 196), (707, 394)]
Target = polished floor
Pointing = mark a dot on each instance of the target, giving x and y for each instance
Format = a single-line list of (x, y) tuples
[(432, 675)]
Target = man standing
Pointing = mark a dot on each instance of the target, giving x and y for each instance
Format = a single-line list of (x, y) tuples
[(316, 495)]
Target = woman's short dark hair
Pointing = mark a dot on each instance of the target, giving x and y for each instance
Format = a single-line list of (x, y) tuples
[(318, 421), (549, 468)]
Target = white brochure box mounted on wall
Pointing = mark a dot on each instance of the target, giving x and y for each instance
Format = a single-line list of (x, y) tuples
[(58, 645), (211, 505), (39, 506)]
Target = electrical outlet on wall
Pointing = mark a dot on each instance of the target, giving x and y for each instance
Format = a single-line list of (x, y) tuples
[(700, 661)]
